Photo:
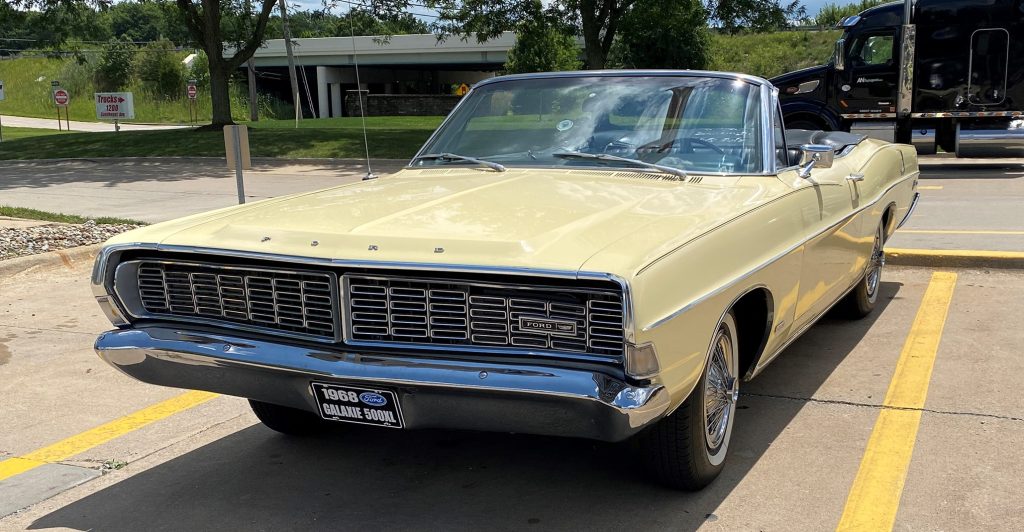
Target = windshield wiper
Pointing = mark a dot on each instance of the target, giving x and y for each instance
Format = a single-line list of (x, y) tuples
[(456, 157), (678, 172)]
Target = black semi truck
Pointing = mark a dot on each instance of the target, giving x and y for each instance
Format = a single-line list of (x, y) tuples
[(943, 74)]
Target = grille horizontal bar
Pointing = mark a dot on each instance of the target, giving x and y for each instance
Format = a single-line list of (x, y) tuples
[(294, 302), (463, 313)]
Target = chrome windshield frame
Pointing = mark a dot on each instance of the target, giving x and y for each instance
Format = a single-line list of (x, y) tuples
[(768, 95)]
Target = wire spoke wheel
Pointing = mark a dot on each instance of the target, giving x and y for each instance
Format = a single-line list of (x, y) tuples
[(877, 260), (720, 393)]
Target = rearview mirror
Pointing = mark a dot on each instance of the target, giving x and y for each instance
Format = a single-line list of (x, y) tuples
[(838, 55), (815, 156)]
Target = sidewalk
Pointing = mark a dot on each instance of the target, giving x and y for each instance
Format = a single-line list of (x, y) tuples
[(51, 123), (154, 190)]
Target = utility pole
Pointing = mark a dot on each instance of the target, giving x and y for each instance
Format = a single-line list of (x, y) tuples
[(254, 111), (291, 63)]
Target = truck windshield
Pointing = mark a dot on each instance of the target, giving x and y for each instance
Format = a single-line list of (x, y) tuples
[(690, 123)]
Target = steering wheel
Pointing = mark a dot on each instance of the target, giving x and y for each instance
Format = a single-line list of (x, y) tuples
[(689, 140)]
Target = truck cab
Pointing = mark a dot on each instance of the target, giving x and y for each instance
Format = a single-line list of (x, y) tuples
[(963, 62)]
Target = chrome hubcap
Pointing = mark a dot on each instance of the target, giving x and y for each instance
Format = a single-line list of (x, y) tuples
[(720, 391), (875, 267)]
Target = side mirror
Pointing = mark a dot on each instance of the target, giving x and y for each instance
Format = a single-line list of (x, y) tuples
[(839, 55), (815, 156)]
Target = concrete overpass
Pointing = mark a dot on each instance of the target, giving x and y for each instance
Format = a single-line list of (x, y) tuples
[(400, 64)]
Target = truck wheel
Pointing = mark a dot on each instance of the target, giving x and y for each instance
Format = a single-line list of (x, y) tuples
[(687, 449), (806, 124), (861, 300), (285, 420)]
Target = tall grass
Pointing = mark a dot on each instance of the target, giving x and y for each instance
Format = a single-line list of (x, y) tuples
[(27, 88), (771, 54)]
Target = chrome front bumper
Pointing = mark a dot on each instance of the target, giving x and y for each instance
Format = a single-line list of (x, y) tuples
[(433, 393)]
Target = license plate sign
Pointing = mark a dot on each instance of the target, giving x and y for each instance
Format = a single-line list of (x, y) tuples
[(368, 406)]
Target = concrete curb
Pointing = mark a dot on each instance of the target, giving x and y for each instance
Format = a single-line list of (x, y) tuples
[(954, 258), (66, 258)]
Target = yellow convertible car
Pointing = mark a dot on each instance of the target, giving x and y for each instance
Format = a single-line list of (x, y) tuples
[(602, 255)]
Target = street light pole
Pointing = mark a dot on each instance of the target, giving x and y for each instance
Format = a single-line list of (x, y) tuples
[(296, 101)]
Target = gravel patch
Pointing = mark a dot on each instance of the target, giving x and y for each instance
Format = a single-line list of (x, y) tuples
[(17, 242)]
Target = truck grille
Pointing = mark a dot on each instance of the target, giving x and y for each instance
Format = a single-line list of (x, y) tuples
[(295, 302), (459, 313)]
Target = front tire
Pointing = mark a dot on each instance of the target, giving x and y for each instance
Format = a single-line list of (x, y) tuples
[(285, 420), (687, 449), (862, 299)]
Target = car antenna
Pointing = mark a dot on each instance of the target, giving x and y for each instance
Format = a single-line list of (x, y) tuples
[(359, 93)]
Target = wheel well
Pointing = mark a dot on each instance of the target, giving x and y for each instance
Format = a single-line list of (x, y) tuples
[(887, 220), (754, 313)]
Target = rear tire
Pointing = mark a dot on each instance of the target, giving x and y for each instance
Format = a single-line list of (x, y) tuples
[(861, 300), (285, 420), (687, 450)]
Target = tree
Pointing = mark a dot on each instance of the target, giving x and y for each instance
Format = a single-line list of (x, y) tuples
[(677, 38), (541, 47), (114, 70), (160, 69), (597, 21), (831, 14), (216, 23)]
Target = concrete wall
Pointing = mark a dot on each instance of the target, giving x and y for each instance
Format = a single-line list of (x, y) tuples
[(401, 104)]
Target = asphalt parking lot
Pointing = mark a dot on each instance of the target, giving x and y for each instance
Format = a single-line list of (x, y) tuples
[(86, 448)]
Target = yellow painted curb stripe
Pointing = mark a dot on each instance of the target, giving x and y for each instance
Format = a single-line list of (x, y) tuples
[(874, 497), (930, 187), (956, 253), (80, 443), (960, 232)]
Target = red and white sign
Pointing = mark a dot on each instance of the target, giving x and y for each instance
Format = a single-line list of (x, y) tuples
[(192, 92), (114, 105), (61, 97)]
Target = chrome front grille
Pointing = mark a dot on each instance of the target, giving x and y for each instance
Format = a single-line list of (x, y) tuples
[(300, 303), (461, 313)]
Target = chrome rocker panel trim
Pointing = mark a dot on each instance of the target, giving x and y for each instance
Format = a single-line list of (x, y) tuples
[(434, 393)]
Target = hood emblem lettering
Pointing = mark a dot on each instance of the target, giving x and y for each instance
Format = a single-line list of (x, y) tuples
[(548, 326), (438, 250), (372, 247), (315, 243), (265, 239)]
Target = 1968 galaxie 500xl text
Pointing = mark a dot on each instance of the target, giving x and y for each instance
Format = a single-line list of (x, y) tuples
[(594, 254)]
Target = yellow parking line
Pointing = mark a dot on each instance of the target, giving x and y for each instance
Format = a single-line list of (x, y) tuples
[(84, 441), (930, 187), (874, 497), (961, 232)]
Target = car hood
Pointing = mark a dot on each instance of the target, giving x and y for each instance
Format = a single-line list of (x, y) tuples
[(528, 218)]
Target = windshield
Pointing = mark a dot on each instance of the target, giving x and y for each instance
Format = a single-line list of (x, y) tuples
[(695, 124)]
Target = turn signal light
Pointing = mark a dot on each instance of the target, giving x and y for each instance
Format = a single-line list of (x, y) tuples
[(641, 360)]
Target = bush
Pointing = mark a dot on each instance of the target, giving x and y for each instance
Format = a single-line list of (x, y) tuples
[(199, 70), (676, 38), (831, 14), (115, 67), (160, 70), (77, 77), (541, 47)]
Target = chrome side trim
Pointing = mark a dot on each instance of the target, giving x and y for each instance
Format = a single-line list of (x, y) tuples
[(969, 114), (102, 276), (913, 205), (772, 260), (868, 115)]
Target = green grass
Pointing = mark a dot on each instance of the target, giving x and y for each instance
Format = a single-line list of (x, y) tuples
[(14, 133), (390, 138), (33, 214), (771, 54), (28, 93)]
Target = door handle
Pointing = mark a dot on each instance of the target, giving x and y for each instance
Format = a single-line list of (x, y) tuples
[(855, 177)]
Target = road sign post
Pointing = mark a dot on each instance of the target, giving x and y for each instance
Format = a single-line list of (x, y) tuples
[(192, 91), (61, 98), (2, 96), (114, 106)]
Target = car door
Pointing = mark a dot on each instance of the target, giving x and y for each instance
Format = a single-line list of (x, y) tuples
[(869, 83), (832, 255)]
